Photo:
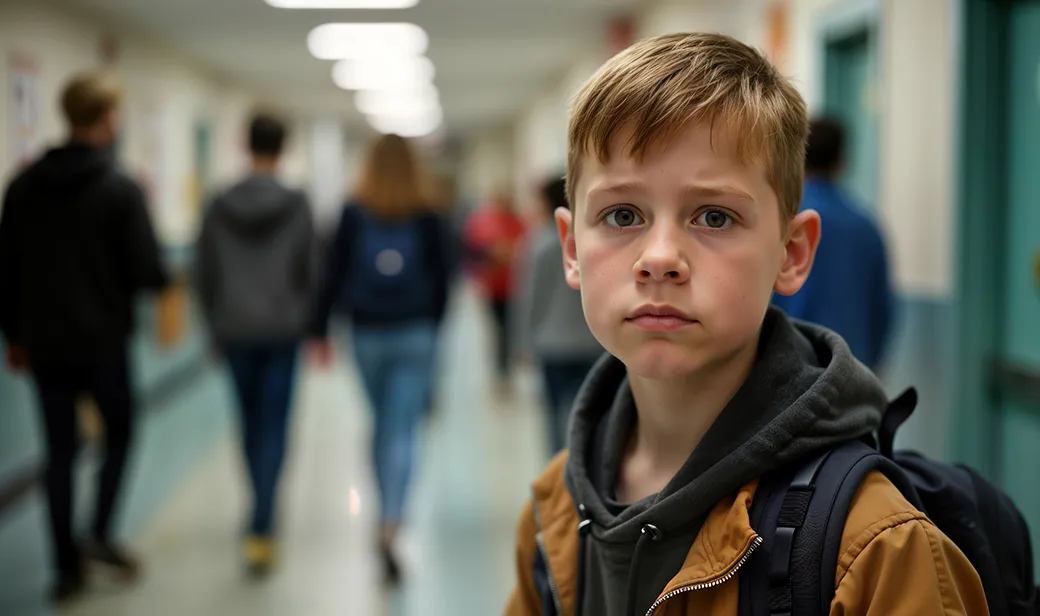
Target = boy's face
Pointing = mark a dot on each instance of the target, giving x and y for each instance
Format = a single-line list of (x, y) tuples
[(677, 255)]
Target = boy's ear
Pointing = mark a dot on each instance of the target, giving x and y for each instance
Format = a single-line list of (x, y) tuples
[(803, 236), (565, 228)]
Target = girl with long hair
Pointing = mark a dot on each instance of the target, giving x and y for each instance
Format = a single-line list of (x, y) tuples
[(388, 271)]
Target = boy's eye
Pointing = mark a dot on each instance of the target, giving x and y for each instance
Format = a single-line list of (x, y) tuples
[(714, 219), (623, 217)]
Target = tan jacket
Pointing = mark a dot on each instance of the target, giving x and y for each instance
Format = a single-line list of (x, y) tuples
[(894, 561)]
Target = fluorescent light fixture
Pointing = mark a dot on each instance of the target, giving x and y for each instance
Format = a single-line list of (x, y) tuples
[(339, 41), (386, 73), (342, 4), (397, 102)]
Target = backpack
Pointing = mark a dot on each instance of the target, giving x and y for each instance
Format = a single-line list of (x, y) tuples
[(800, 514), (388, 274)]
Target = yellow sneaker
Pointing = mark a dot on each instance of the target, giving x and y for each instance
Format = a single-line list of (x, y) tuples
[(260, 555)]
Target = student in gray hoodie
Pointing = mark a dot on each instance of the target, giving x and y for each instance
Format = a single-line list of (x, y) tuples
[(256, 275), (550, 319)]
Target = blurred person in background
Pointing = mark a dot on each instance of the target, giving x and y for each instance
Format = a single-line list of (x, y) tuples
[(493, 235), (256, 277), (388, 271), (848, 290), (76, 249), (550, 320)]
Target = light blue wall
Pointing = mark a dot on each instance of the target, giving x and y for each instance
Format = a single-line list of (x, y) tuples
[(922, 355)]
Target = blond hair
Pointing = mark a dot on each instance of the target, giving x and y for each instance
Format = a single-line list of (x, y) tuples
[(661, 85), (88, 97), (392, 181)]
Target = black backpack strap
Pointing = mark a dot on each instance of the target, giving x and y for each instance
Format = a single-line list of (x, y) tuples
[(898, 411), (801, 524)]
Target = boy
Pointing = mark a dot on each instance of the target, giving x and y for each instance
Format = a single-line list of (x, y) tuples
[(76, 250), (256, 280), (685, 171)]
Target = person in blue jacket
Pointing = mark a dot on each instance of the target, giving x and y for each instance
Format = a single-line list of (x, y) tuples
[(849, 290)]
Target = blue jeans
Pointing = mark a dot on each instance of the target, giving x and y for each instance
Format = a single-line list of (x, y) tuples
[(264, 376), (562, 379), (396, 366)]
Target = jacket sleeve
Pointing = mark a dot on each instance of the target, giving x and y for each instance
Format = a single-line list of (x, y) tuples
[(909, 569), (884, 299), (141, 249), (307, 256), (524, 599), (332, 280)]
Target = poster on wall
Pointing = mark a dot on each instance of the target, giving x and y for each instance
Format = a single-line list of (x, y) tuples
[(24, 108)]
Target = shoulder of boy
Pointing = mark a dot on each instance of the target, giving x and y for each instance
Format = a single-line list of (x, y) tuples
[(889, 544)]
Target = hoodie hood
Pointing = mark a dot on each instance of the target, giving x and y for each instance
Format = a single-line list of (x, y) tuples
[(806, 392), (69, 167), (258, 206)]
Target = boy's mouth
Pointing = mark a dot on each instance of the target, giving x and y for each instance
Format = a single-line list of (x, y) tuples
[(659, 318)]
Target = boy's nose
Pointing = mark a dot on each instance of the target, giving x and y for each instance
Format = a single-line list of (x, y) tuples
[(662, 262)]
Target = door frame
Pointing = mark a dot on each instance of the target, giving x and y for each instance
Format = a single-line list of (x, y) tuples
[(843, 21), (981, 37)]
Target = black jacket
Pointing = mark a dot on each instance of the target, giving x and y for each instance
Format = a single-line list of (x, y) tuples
[(76, 246)]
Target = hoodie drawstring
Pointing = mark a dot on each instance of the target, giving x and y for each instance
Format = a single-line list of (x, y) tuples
[(649, 531), (584, 528)]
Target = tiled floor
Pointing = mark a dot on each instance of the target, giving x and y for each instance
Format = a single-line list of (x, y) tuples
[(478, 457)]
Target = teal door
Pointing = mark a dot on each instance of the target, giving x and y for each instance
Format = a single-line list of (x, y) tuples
[(850, 95), (1018, 364)]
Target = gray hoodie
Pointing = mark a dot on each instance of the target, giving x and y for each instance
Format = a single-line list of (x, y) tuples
[(805, 393), (550, 319), (256, 263)]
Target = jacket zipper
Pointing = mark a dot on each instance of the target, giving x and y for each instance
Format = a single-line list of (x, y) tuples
[(549, 574), (710, 584)]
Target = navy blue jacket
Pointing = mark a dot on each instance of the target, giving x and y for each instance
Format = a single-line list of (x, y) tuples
[(848, 290)]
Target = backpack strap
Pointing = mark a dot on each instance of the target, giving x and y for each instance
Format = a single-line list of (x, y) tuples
[(801, 524)]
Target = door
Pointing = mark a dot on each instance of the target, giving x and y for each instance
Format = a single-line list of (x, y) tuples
[(1018, 363), (200, 182), (850, 95)]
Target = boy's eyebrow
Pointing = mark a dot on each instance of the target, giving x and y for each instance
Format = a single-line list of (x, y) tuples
[(633, 187)]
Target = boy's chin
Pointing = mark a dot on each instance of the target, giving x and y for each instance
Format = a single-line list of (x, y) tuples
[(662, 364)]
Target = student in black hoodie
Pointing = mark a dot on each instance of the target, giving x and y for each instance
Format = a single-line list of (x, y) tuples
[(76, 248)]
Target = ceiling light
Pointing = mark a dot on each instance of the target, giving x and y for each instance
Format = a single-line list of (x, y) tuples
[(387, 73), (342, 4), (339, 41), (397, 102)]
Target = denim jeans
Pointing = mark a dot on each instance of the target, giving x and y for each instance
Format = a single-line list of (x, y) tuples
[(562, 380), (264, 376), (396, 366)]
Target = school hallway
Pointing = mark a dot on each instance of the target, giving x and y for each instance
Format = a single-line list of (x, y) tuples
[(476, 462)]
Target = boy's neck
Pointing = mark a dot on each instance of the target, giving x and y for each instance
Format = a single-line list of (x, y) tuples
[(674, 416)]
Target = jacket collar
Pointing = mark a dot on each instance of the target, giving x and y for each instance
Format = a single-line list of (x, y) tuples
[(723, 544)]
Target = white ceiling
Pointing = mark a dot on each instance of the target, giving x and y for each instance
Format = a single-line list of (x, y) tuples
[(492, 57)]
